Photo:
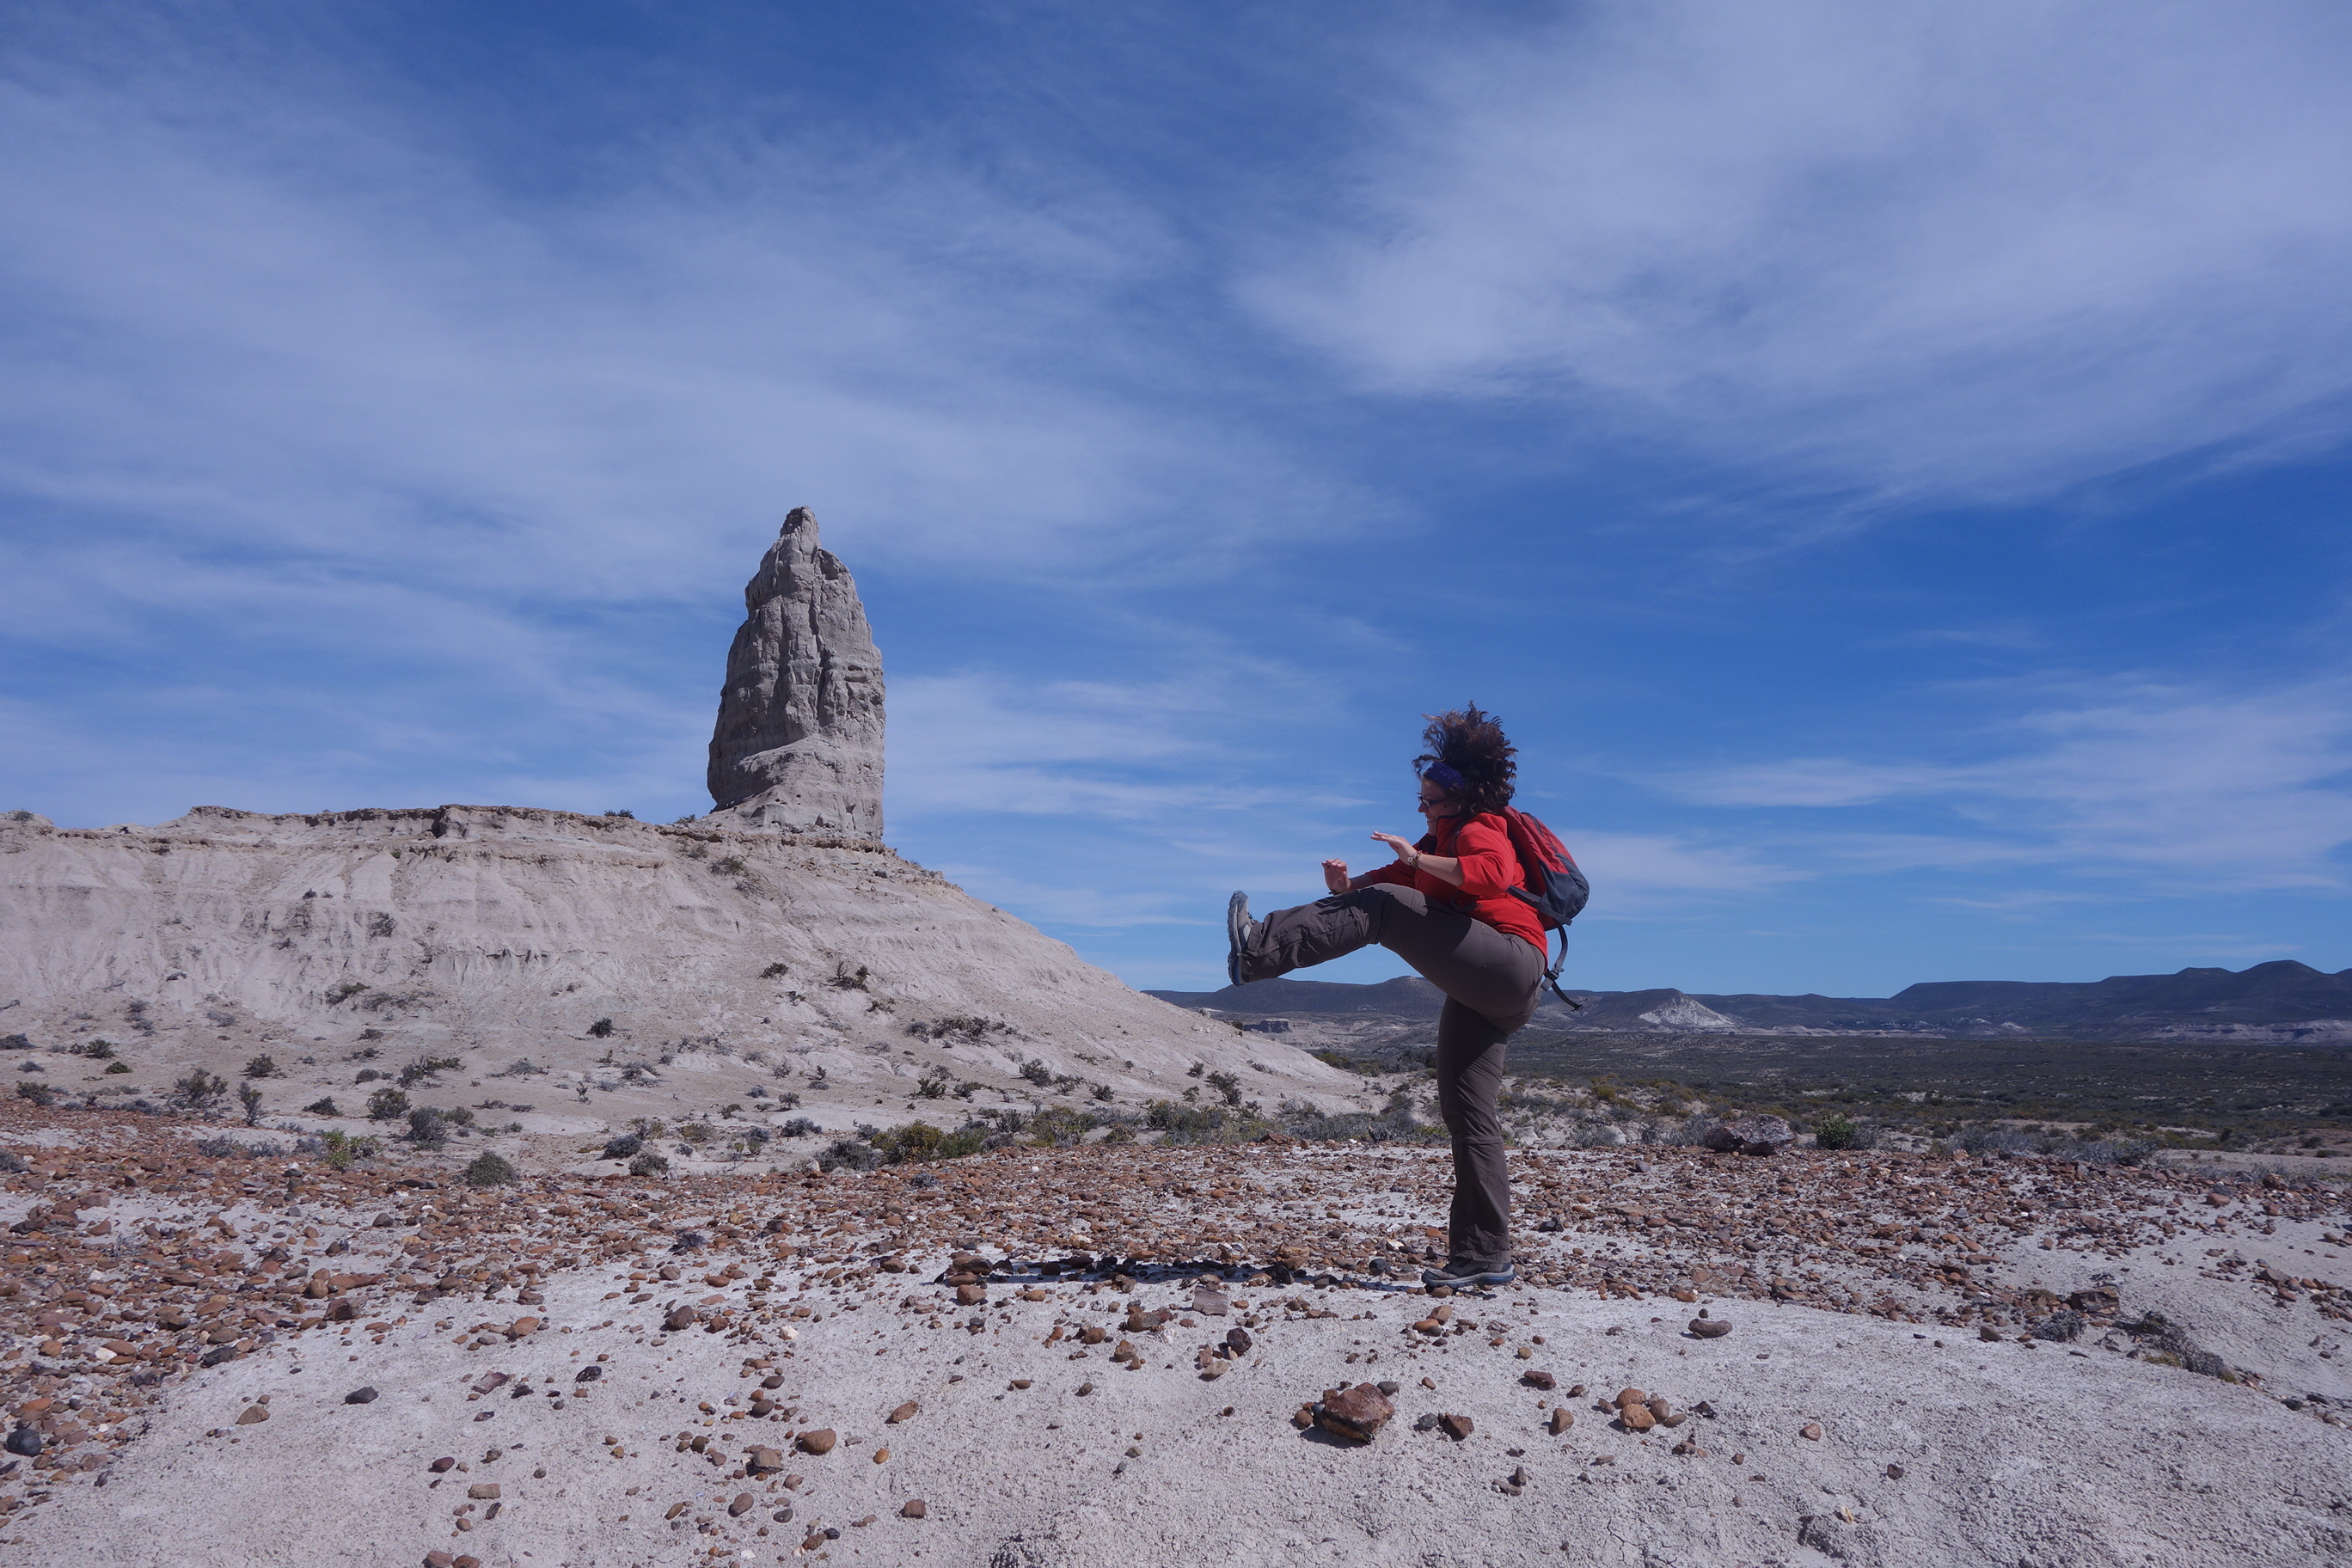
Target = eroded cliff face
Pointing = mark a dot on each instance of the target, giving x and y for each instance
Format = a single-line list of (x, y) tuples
[(798, 747), (629, 959)]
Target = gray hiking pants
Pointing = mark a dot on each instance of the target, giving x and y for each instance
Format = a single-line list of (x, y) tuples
[(1489, 980)]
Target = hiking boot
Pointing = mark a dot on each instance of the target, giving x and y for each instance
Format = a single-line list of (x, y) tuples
[(1460, 1274), (1240, 931)]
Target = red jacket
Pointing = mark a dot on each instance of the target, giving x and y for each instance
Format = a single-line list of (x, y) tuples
[(1490, 870)]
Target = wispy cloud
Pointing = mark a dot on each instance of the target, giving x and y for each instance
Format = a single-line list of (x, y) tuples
[(2178, 787), (313, 327), (1903, 249)]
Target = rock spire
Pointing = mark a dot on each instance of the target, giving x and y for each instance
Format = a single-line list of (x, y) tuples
[(798, 745)]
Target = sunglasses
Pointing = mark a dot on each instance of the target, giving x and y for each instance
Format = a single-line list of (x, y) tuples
[(1424, 803)]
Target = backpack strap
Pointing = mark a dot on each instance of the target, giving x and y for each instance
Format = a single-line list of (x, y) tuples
[(1551, 975)]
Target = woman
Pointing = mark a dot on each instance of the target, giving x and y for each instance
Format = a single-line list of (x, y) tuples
[(1444, 906)]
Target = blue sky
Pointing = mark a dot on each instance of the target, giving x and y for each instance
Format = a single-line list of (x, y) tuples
[(1886, 463)]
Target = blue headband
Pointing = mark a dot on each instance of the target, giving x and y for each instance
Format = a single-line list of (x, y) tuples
[(1443, 778)]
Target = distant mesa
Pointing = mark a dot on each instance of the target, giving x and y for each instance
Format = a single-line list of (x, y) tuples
[(2282, 1002), (798, 745)]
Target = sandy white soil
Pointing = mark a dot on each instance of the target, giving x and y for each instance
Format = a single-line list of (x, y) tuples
[(1935, 1446)]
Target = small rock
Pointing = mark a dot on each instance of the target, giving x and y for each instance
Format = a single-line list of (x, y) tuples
[(1894, 1472), (972, 1295), (1709, 1328), (820, 1441), (1749, 1135), (680, 1318), (1637, 1418), (442, 1465), (740, 1505), (23, 1440), (763, 1461), (913, 1508), (1456, 1426), (1389, 1388), (1208, 1303), (1810, 1431), (253, 1414), (1084, 1389), (1542, 1380), (1238, 1341), (881, 1456), (1561, 1419), (906, 1412), (483, 1491), (1356, 1413), (588, 1374), (361, 1396), (440, 1560)]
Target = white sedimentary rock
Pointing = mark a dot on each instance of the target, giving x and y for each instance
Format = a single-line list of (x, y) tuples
[(798, 745)]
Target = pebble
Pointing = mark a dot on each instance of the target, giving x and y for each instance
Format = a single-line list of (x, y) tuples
[(762, 1461), (1894, 1472), (588, 1374), (913, 1507), (1542, 1380), (820, 1441), (906, 1412), (1456, 1426), (361, 1396), (483, 1491), (442, 1465), (1561, 1419), (1709, 1328), (1810, 1431), (740, 1505), (253, 1414), (680, 1318), (1355, 1414)]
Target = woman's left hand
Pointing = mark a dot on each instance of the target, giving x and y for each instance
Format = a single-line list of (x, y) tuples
[(1402, 846)]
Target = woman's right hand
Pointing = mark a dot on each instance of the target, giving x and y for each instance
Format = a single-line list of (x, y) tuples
[(1335, 875)]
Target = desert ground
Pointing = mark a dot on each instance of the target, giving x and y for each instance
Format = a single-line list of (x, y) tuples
[(1118, 1353)]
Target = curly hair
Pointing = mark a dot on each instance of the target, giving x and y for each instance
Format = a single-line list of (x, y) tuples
[(1470, 742)]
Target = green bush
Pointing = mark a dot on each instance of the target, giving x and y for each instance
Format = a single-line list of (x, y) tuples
[(489, 1171), (426, 1068), (1035, 1071), (261, 1066), (387, 1105), (428, 1125), (118, 1066), (200, 1091), (322, 1107), (1835, 1132), (649, 1165), (602, 1028)]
